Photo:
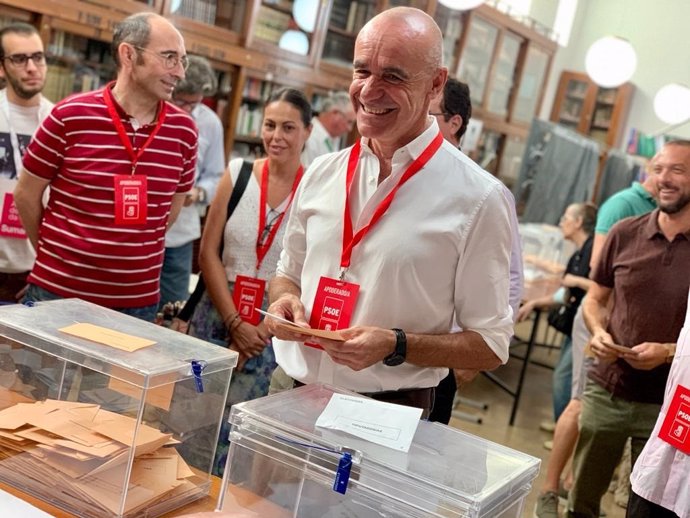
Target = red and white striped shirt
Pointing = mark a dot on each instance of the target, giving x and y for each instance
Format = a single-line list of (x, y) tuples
[(81, 252)]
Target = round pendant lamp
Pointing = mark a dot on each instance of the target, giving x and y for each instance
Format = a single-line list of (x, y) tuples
[(611, 61), (294, 41), (304, 12), (461, 5), (672, 103)]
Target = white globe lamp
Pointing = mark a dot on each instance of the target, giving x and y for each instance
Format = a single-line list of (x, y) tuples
[(461, 5), (294, 41), (672, 103), (611, 61)]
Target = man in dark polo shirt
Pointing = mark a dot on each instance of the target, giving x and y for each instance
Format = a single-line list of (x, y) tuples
[(644, 267)]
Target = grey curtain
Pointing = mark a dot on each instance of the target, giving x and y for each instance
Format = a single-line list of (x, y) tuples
[(620, 170), (559, 168)]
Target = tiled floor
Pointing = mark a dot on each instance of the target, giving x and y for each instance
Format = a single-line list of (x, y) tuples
[(535, 406)]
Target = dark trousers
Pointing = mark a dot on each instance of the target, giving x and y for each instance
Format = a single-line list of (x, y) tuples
[(639, 507), (443, 402)]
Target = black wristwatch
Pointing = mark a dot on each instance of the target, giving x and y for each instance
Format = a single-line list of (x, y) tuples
[(398, 356)]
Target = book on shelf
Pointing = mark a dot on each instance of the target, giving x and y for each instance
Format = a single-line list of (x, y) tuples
[(249, 121), (339, 14), (59, 82), (271, 24), (200, 10)]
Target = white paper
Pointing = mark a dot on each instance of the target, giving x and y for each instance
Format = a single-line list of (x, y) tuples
[(386, 424), (13, 506)]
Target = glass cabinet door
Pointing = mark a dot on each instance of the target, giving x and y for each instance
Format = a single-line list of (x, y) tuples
[(228, 14), (476, 58), (603, 110), (573, 103), (533, 72), (503, 75), (287, 24), (450, 22), (345, 21)]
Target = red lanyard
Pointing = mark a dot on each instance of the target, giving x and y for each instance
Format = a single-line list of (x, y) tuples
[(122, 133), (262, 248), (350, 241)]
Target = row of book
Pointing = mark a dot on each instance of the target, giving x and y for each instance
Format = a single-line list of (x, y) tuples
[(62, 81), (200, 10), (249, 120), (271, 24), (257, 90), (351, 16)]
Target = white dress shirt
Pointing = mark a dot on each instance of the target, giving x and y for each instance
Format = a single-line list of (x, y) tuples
[(442, 247), (661, 472), (210, 165), (318, 144)]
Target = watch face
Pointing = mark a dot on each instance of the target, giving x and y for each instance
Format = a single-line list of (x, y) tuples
[(394, 359)]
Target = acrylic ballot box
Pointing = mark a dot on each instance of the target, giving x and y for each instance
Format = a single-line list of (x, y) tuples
[(281, 465), (119, 430)]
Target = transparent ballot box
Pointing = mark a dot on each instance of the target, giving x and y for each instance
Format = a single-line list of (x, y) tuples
[(126, 429), (281, 465)]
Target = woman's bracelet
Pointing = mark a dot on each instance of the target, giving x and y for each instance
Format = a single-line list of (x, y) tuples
[(230, 320)]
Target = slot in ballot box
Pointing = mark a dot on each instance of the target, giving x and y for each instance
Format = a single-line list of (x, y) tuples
[(105, 415), (281, 465)]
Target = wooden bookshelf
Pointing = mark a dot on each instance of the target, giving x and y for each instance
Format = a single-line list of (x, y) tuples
[(594, 111)]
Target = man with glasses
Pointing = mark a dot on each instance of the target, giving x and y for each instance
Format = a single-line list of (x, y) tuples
[(22, 108), (336, 119), (200, 81), (120, 162)]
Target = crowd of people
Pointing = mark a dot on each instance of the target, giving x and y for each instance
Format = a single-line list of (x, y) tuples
[(400, 242)]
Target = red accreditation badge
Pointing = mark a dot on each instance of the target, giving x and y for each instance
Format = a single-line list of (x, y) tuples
[(248, 296), (676, 427), (131, 200), (333, 306), (10, 225)]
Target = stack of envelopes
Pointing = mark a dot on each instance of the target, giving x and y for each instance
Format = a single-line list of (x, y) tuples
[(76, 455)]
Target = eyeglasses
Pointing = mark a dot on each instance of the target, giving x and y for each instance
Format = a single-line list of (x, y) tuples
[(439, 114), (21, 60), (186, 105), (271, 220), (170, 59)]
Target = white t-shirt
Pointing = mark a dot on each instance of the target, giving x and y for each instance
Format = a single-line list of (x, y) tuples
[(318, 144), (442, 248), (241, 231), (16, 255)]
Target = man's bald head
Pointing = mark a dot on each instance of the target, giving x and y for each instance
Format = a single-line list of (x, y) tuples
[(425, 35)]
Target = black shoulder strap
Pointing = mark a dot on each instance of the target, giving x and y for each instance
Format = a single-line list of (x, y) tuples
[(239, 188), (237, 192)]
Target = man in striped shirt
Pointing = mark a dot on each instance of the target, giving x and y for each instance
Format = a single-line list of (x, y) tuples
[(119, 162)]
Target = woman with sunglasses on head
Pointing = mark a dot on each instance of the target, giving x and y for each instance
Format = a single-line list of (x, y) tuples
[(239, 255)]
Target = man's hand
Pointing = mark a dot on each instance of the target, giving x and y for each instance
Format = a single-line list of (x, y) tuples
[(179, 325), (598, 346), (289, 307), (192, 197), (250, 339), (363, 347), (525, 310), (647, 355)]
